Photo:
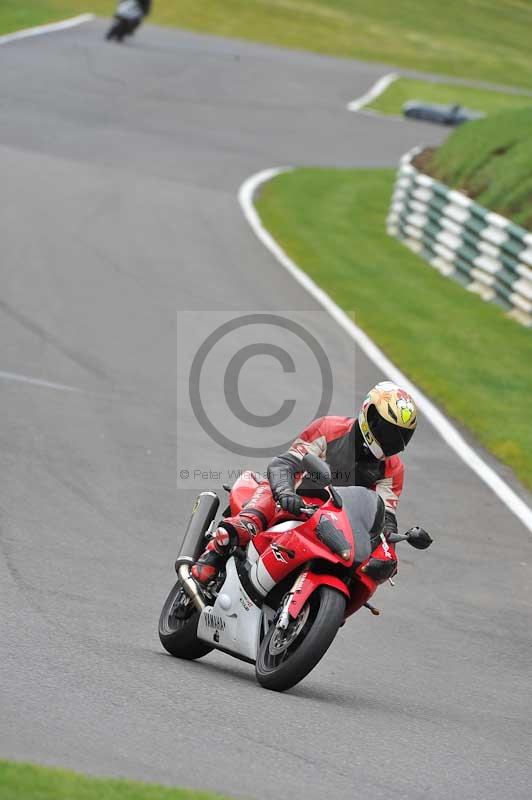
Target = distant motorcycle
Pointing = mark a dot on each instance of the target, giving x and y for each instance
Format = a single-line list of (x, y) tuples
[(128, 16), (452, 114), (280, 602)]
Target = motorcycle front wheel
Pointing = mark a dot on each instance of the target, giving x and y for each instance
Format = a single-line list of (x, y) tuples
[(178, 625), (285, 657)]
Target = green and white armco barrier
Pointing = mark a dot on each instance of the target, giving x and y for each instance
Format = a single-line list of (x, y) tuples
[(485, 252)]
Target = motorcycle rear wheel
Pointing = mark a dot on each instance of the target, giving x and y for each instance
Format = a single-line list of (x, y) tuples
[(307, 640), (178, 625)]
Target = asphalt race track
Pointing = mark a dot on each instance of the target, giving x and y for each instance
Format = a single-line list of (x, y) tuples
[(120, 171)]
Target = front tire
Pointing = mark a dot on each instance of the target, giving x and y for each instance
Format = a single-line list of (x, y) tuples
[(281, 664), (178, 625)]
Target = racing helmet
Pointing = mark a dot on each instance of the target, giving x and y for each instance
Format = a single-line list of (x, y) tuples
[(387, 419)]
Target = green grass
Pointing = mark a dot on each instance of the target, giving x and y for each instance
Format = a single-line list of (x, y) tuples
[(18, 14), (491, 160), (466, 354), (478, 39), (20, 781), (391, 100)]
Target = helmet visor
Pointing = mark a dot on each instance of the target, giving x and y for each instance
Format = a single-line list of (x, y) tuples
[(392, 438)]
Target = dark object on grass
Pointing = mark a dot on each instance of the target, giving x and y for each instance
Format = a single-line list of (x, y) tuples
[(128, 16), (444, 115)]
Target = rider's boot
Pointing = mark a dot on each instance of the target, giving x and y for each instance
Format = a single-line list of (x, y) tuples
[(233, 531)]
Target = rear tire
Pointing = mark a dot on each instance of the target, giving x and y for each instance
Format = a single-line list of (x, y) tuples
[(279, 669), (178, 625)]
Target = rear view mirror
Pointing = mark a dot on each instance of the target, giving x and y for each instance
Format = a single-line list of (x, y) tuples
[(318, 471), (418, 538)]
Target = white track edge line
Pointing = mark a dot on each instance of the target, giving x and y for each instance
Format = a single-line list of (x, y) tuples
[(63, 25), (442, 425), (378, 88), (15, 377)]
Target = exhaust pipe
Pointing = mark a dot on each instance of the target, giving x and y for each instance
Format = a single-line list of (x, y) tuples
[(190, 586), (203, 512), (193, 544)]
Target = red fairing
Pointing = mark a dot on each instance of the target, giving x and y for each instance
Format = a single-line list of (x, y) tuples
[(308, 582), (365, 586), (282, 553), (263, 540), (361, 591), (385, 550), (242, 491)]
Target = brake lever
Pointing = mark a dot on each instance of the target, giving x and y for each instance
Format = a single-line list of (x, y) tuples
[(309, 510)]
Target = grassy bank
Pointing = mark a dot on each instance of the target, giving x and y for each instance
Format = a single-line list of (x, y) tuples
[(478, 39), (29, 782), (15, 15), (391, 101), (464, 353), (490, 160)]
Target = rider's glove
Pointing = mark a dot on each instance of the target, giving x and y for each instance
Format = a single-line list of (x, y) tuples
[(390, 524), (290, 502)]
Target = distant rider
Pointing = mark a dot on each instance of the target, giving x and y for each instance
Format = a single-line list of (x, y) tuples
[(128, 16), (360, 452)]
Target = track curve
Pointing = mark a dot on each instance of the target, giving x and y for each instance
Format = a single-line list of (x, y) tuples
[(122, 167)]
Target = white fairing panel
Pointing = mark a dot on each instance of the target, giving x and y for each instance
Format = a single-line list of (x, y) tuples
[(261, 579), (287, 525), (258, 574), (233, 622), (252, 553)]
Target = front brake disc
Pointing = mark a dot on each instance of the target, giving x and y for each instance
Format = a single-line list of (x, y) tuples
[(282, 639)]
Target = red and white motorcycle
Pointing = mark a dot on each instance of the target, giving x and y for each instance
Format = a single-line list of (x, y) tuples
[(280, 602)]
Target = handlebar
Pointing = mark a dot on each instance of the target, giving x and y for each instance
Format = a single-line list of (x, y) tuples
[(306, 510), (309, 510)]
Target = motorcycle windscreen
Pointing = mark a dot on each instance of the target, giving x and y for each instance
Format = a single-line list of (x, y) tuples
[(365, 511)]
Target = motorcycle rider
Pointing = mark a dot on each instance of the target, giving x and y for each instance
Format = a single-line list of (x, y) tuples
[(360, 451), (128, 16)]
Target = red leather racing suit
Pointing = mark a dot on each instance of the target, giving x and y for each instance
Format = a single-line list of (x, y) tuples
[(338, 441)]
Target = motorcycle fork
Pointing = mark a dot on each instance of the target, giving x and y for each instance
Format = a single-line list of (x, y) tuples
[(284, 616)]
